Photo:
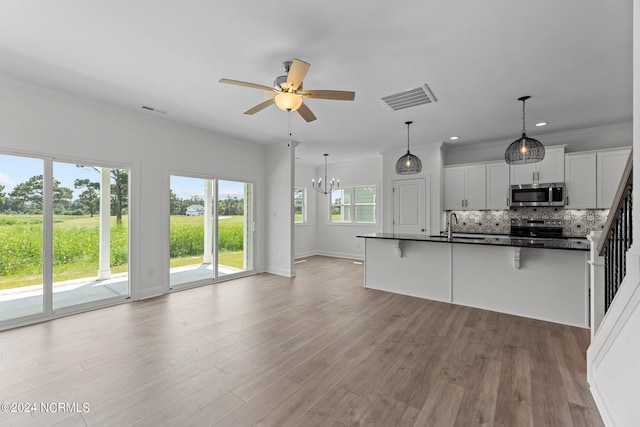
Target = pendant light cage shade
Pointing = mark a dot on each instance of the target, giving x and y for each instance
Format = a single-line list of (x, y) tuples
[(524, 150), (408, 164)]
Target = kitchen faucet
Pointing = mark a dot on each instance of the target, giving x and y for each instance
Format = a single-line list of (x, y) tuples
[(451, 216)]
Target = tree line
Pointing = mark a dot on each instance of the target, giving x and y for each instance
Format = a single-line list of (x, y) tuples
[(26, 197), (228, 206)]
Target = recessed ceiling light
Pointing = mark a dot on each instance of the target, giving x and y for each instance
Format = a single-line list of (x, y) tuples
[(454, 138), (542, 124)]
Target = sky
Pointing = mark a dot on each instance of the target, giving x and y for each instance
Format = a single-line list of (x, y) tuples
[(186, 188), (17, 169)]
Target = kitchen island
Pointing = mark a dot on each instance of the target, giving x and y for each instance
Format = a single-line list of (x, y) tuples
[(541, 279)]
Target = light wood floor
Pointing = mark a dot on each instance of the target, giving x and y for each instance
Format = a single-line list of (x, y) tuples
[(315, 350)]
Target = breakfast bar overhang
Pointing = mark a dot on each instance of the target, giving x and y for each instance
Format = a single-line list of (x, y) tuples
[(545, 280)]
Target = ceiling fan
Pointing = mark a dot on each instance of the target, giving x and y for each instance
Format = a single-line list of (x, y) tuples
[(287, 91)]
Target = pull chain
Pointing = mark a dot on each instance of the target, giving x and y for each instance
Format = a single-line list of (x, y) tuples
[(289, 120)]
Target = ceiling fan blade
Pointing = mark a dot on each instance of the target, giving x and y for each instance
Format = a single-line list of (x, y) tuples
[(306, 113), (247, 84), (297, 71), (338, 95), (260, 106)]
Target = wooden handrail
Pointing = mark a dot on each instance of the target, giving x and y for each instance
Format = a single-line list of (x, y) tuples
[(618, 200)]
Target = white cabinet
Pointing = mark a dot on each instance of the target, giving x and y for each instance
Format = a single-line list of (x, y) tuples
[(580, 180), (454, 188), (609, 168), (497, 185), (549, 170), (523, 174), (465, 187), (592, 178)]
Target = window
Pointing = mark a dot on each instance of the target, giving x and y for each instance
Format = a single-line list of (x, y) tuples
[(354, 205), (300, 205)]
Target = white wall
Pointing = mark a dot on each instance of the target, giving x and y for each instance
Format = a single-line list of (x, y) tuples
[(581, 140), (431, 158), (613, 358), (46, 123), (279, 209), (339, 239), (306, 234)]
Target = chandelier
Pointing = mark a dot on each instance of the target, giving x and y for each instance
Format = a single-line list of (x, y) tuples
[(328, 186)]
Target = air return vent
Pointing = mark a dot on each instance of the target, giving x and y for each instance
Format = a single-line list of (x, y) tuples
[(146, 107), (410, 98)]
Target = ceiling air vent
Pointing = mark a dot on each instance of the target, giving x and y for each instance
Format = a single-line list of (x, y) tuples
[(146, 107), (410, 98)]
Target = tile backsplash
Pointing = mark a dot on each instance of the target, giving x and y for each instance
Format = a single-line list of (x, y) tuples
[(577, 222)]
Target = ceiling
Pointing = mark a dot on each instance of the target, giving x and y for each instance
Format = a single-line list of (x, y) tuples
[(573, 57)]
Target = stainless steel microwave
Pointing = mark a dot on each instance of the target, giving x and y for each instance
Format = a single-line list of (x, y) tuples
[(537, 195)]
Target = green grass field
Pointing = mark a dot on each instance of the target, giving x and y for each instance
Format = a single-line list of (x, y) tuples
[(76, 240)]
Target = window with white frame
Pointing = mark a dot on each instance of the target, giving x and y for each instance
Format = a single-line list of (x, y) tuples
[(300, 205), (354, 205)]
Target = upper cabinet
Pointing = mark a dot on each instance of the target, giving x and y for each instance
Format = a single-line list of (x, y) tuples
[(590, 178), (465, 187), (549, 170), (497, 185), (580, 180), (610, 166)]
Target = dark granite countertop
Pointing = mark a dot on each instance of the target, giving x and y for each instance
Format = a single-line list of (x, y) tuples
[(489, 240)]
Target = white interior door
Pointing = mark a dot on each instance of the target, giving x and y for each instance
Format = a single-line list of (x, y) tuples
[(410, 206)]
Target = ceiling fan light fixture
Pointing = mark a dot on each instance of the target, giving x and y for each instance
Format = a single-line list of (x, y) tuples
[(288, 101), (524, 150)]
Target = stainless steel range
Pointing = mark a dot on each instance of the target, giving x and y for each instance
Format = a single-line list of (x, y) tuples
[(537, 228)]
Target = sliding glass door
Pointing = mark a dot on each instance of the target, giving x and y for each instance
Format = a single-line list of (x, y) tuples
[(210, 232), (90, 234), (64, 236), (190, 233), (21, 237), (235, 225)]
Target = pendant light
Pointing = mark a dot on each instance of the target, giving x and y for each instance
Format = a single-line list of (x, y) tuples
[(524, 149), (329, 186), (408, 164)]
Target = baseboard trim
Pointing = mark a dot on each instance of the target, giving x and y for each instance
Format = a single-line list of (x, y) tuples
[(306, 254), (280, 271), (603, 407), (357, 257)]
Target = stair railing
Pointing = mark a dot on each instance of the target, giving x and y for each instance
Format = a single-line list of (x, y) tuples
[(617, 235)]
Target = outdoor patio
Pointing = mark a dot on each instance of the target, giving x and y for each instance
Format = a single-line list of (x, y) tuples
[(27, 300)]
